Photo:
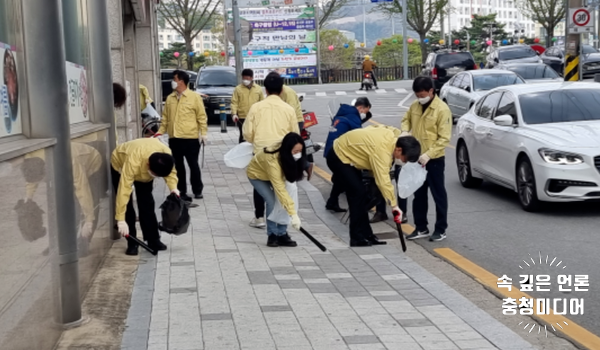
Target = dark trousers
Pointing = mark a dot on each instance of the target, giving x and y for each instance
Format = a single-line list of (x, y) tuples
[(240, 125), (350, 180), (373, 77), (336, 191), (145, 203), (190, 150), (259, 205), (402, 202), (434, 182)]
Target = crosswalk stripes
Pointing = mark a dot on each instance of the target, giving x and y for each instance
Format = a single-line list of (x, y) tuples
[(360, 92), (381, 91), (321, 94), (401, 91), (340, 93)]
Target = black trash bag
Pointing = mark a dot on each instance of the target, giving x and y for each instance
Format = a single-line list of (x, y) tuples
[(175, 216), (30, 220)]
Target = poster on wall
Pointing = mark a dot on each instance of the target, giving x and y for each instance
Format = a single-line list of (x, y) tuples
[(10, 110), (78, 93)]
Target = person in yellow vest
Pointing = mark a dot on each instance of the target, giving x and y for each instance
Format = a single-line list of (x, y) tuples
[(136, 164), (184, 119), (267, 123), (374, 148), (145, 98), (429, 120), (268, 172), (244, 96)]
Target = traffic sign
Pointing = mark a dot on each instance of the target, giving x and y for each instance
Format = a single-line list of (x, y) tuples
[(580, 20)]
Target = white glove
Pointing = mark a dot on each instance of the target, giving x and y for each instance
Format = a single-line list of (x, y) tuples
[(423, 159), (235, 118), (86, 230), (177, 193), (204, 139), (296, 222), (123, 228), (405, 133)]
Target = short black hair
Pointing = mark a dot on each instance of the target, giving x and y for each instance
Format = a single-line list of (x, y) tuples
[(422, 84), (182, 75), (247, 73), (362, 102), (411, 148), (119, 95), (161, 164), (273, 83)]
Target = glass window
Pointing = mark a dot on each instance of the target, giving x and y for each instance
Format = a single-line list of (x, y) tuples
[(197, 45), (559, 106), (466, 81), (589, 49), (206, 38), (207, 46), (457, 80), (489, 105), (12, 74), (516, 53), (168, 37), (488, 82), (217, 78), (540, 71), (455, 59), (507, 106)]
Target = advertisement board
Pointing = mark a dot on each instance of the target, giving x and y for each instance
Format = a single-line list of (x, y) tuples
[(265, 14), (294, 24), (288, 73), (10, 110), (280, 61), (283, 38), (264, 50), (78, 93), (268, 3)]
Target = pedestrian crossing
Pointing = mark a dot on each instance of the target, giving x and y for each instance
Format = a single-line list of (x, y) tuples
[(354, 92)]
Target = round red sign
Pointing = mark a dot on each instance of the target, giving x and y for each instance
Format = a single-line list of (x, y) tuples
[(581, 17)]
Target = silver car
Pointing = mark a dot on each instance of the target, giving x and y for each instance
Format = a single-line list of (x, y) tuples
[(464, 89)]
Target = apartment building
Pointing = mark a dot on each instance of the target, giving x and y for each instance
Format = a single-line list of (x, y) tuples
[(204, 41)]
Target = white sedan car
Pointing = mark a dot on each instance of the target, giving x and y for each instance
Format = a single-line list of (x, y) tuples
[(540, 140)]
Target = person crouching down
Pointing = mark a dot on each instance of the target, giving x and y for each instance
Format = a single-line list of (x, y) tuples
[(137, 163), (268, 171)]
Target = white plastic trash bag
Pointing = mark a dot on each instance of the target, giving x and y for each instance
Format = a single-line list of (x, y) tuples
[(279, 214), (151, 111), (411, 178), (239, 156)]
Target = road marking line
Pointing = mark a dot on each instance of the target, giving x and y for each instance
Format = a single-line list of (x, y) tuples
[(321, 94), (382, 91), (359, 92), (574, 332), (374, 122), (401, 104), (401, 91), (339, 93), (322, 173)]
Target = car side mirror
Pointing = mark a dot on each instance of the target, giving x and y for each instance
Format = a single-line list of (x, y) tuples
[(423, 66), (467, 88), (504, 120), (301, 98)]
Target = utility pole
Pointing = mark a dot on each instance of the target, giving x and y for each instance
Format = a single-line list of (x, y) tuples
[(393, 26), (237, 42), (404, 42), (364, 25), (225, 39), (572, 47), (318, 28)]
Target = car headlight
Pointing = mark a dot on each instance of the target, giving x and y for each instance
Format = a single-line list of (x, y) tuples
[(560, 157)]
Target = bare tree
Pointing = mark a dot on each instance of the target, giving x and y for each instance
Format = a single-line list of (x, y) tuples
[(421, 16), (188, 18), (331, 10), (548, 13)]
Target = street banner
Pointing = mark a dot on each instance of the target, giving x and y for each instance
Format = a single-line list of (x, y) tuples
[(281, 61), (9, 92), (294, 24), (265, 50), (78, 93), (274, 14), (268, 3), (288, 73), (283, 38)]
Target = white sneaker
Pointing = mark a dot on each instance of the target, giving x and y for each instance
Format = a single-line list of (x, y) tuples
[(258, 223)]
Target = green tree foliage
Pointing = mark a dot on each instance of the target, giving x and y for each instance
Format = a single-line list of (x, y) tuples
[(389, 53), (548, 13), (168, 59), (340, 57), (479, 31)]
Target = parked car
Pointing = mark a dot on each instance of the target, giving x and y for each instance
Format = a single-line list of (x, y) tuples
[(464, 89), (512, 53), (539, 140), (166, 76), (555, 58), (442, 65), (216, 84), (533, 72)]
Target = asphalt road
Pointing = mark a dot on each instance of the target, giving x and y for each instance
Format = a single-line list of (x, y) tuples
[(487, 225)]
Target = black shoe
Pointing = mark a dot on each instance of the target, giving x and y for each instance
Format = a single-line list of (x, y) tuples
[(378, 217), (375, 241), (404, 218), (186, 198), (360, 243), (199, 196), (272, 241), (132, 250), (437, 236), (157, 245), (361, 89), (286, 241), (335, 208), (418, 234)]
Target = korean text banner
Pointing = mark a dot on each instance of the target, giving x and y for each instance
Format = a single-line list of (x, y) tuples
[(288, 73), (262, 50), (298, 24), (78, 93), (269, 3), (10, 110), (283, 38), (275, 14), (281, 61)]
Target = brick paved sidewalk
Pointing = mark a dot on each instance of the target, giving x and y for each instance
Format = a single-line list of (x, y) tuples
[(219, 287)]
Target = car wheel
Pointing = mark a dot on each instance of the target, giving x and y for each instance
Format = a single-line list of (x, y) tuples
[(526, 187), (463, 164)]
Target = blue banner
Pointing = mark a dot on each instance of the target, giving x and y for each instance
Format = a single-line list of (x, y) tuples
[(294, 24), (276, 51)]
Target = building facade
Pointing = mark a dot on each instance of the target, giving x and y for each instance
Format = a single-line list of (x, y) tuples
[(204, 41), (59, 127)]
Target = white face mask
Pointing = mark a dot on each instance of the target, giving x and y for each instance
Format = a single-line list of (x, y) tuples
[(153, 176), (424, 100), (173, 84), (246, 82), (297, 156), (399, 162), (363, 115)]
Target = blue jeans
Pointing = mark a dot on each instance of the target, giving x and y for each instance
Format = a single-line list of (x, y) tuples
[(266, 191)]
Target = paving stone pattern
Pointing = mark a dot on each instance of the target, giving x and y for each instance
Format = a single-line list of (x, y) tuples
[(219, 287)]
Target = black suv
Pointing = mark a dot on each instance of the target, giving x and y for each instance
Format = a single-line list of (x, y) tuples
[(442, 65), (216, 83), (166, 76)]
